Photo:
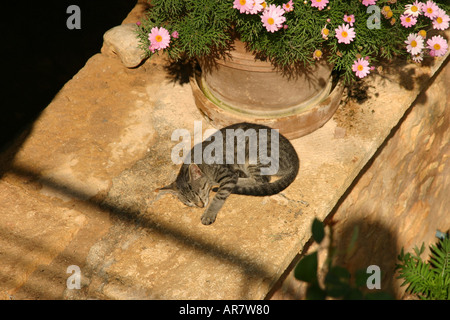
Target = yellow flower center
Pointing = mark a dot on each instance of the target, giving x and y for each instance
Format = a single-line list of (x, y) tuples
[(437, 46), (158, 38), (318, 53), (423, 33), (439, 20), (325, 31), (270, 21), (264, 4), (413, 43), (318, 0), (242, 2), (408, 19), (414, 8), (360, 67), (389, 14), (429, 10), (344, 34)]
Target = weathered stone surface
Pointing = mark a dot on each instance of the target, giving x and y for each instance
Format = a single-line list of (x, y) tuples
[(94, 128), (33, 231), (401, 199), (80, 142), (122, 40)]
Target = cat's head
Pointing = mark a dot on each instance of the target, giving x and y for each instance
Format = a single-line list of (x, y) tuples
[(191, 187)]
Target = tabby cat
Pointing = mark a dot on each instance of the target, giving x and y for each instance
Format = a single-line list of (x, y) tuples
[(236, 171)]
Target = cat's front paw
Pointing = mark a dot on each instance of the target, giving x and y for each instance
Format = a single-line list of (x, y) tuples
[(208, 219)]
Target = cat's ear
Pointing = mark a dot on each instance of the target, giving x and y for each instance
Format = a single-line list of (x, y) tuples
[(194, 172), (171, 188)]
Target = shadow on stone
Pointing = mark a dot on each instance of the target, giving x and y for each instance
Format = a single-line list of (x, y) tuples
[(357, 245), (376, 245), (127, 218), (180, 71)]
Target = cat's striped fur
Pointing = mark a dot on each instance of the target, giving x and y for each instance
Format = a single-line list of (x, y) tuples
[(195, 181)]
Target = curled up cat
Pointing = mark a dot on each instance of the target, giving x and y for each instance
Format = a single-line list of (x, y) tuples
[(244, 159)]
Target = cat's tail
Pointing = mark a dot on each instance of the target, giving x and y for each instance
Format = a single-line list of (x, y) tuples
[(270, 188)]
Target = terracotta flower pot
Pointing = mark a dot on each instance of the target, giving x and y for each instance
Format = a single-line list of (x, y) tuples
[(243, 88)]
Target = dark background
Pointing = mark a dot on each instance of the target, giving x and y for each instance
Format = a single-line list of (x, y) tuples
[(40, 54)]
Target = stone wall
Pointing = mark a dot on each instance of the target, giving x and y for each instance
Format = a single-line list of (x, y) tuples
[(402, 196)]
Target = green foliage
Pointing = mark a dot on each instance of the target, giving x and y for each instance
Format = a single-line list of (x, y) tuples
[(427, 280), (208, 27), (338, 282)]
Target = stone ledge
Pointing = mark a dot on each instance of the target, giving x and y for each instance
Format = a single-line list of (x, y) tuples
[(106, 138)]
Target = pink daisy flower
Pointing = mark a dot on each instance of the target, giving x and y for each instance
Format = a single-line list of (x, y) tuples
[(325, 32), (272, 18), (441, 20), (369, 2), (437, 45), (175, 35), (288, 7), (430, 9), (408, 21), (159, 38), (244, 6), (345, 34), (418, 57), (361, 67), (320, 4), (414, 43), (414, 9), (257, 6), (317, 55), (350, 19)]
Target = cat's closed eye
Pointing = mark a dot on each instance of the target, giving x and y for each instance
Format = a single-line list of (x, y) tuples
[(192, 201)]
